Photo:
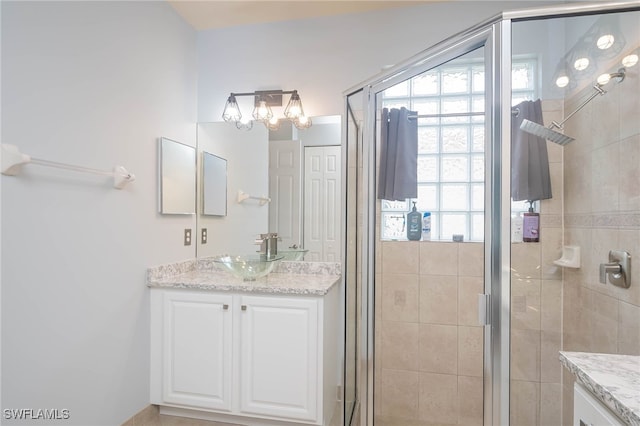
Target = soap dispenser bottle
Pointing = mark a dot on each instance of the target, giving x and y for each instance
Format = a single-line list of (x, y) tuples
[(531, 226), (414, 224)]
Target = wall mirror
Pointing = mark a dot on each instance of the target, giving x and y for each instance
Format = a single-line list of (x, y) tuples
[(298, 170), (176, 177), (214, 185)]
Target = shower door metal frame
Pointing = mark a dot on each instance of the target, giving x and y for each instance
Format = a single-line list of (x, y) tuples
[(487, 36), (495, 34)]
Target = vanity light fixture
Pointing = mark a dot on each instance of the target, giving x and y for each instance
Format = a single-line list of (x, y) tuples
[(263, 102)]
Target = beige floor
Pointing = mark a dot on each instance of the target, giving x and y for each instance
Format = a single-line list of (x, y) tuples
[(151, 417)]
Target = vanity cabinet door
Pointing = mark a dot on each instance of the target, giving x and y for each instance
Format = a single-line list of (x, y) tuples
[(280, 357), (197, 349)]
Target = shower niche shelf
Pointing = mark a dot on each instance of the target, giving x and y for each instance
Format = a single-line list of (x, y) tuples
[(570, 257)]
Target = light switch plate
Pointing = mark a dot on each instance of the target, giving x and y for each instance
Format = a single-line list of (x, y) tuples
[(187, 237), (203, 236)]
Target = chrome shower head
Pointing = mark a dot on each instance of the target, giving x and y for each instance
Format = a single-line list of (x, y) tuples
[(545, 132)]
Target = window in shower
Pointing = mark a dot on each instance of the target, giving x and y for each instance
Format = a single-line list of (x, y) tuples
[(449, 101)]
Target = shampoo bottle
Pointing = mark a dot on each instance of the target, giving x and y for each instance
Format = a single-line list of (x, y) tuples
[(426, 226), (414, 224), (531, 226), (516, 228)]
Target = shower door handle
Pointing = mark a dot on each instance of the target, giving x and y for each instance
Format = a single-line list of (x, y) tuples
[(483, 309)]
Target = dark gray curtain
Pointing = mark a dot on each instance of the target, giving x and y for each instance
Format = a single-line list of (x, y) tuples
[(530, 178), (398, 172)]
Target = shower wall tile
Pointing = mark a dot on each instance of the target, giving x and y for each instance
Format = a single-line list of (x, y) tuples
[(567, 397), (577, 182), (439, 348), (468, 290), (525, 260), (550, 404), (439, 258), (439, 398), (603, 240), (470, 401), (551, 306), (550, 368), (470, 351), (525, 403), (604, 324), (439, 282), (606, 117), (525, 355), (400, 345), (400, 297), (439, 299), (605, 178), (630, 106), (400, 394), (628, 329), (629, 239), (551, 249), (553, 206), (471, 259), (400, 257), (629, 177), (525, 304)]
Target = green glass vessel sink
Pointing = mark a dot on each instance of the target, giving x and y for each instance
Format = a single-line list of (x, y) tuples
[(248, 267)]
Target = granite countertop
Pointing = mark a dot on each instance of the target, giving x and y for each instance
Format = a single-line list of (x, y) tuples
[(613, 379), (301, 278)]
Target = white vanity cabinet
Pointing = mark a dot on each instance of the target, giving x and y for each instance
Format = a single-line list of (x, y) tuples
[(588, 411), (279, 356), (246, 358), (194, 338)]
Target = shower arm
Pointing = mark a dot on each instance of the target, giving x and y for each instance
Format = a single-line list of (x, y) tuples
[(598, 91)]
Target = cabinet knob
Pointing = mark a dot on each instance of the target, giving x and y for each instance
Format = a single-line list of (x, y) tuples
[(243, 307), (225, 306)]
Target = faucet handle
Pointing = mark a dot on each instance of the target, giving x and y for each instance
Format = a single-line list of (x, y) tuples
[(609, 268)]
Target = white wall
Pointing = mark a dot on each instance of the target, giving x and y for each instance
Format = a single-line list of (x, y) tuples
[(323, 57), (93, 84)]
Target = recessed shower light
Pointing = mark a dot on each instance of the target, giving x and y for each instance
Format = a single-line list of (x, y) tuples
[(562, 81), (605, 42), (630, 60), (581, 64), (603, 79)]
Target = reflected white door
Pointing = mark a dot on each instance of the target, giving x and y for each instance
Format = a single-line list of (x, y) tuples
[(322, 183), (284, 190)]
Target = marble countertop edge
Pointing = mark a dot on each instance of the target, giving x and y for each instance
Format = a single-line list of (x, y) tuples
[(294, 278), (613, 379)]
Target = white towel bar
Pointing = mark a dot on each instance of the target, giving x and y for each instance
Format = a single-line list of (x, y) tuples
[(244, 196), (13, 160)]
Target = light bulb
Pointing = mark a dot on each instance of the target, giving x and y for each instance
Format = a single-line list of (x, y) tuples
[(295, 111), (603, 79), (630, 60), (562, 81), (605, 42), (581, 64)]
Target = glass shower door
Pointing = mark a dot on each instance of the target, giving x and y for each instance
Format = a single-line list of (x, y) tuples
[(429, 343), (592, 164)]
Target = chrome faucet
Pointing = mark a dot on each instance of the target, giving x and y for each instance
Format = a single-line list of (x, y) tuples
[(618, 269), (268, 244)]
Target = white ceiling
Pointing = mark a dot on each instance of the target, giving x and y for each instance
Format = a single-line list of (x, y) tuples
[(208, 14)]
